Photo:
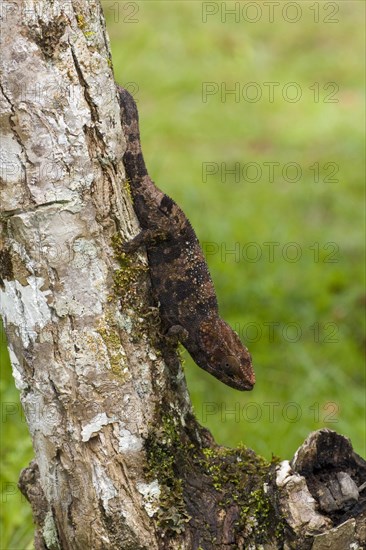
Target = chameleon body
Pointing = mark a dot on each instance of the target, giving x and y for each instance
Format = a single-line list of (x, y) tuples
[(179, 274)]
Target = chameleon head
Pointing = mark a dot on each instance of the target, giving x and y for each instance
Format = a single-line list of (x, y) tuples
[(227, 358)]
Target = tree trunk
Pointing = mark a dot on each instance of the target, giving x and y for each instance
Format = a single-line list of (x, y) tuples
[(120, 461)]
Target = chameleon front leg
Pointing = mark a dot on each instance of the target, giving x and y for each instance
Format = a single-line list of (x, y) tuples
[(146, 237), (163, 229), (177, 333)]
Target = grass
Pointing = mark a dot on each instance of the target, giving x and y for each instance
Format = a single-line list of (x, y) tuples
[(16, 529), (310, 368)]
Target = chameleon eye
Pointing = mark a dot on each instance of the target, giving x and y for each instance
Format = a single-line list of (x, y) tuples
[(229, 362)]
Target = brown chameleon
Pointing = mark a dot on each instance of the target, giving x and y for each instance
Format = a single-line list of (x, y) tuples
[(179, 274)]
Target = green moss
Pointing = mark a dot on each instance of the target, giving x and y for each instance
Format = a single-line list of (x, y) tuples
[(237, 474), (257, 514), (128, 278), (240, 476), (126, 293), (231, 468), (280, 531), (82, 24), (127, 188), (163, 447), (80, 21), (110, 335), (130, 288)]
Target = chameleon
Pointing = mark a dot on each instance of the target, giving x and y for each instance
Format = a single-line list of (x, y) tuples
[(180, 279)]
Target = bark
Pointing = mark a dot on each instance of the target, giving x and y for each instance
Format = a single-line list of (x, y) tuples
[(120, 461)]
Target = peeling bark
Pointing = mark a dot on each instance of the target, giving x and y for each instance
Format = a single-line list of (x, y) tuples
[(120, 461)]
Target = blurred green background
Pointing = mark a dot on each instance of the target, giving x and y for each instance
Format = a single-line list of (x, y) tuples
[(299, 307)]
